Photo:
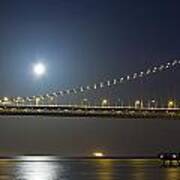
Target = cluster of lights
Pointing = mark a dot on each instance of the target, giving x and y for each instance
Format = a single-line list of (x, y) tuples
[(40, 69), (116, 81), (169, 156)]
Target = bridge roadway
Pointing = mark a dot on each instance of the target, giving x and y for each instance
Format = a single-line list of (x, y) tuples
[(90, 111)]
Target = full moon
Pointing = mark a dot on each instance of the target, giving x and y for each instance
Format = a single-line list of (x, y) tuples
[(39, 69)]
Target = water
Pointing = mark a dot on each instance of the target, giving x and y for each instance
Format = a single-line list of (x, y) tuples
[(81, 136), (82, 169)]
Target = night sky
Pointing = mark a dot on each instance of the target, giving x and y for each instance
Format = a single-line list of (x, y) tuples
[(86, 41)]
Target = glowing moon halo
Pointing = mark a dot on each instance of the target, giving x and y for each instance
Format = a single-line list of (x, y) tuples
[(39, 69)]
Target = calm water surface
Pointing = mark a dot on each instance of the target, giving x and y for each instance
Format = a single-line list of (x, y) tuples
[(102, 169)]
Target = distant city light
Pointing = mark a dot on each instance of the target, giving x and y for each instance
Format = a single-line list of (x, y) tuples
[(98, 154), (39, 69)]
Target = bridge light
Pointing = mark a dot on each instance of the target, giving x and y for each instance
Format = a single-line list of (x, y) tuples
[(46, 96), (171, 104), (22, 100), (54, 94), (152, 104), (6, 99), (85, 102), (74, 91), (51, 98), (104, 102), (101, 85), (19, 98), (174, 63), (61, 93), (42, 97), (148, 71), (95, 86), (137, 104), (161, 67), (37, 100), (27, 98), (161, 156), (88, 88), (141, 74), (108, 83), (81, 89), (68, 91), (153, 101), (154, 69), (174, 156), (114, 81), (134, 75), (121, 80), (167, 66)]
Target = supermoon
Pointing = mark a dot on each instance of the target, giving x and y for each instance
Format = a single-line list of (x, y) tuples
[(39, 69)]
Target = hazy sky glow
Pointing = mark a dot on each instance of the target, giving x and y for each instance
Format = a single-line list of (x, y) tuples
[(84, 42)]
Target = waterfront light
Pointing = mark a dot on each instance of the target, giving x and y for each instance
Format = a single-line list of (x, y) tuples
[(153, 101), (6, 99), (137, 104), (37, 100), (98, 154), (174, 156), (171, 104), (161, 156), (104, 102)]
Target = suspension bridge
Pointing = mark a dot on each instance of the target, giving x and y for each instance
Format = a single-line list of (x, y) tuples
[(47, 104)]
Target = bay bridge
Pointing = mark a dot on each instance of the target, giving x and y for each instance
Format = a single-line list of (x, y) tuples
[(49, 104)]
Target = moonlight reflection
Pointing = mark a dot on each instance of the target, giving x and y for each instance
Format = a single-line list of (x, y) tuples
[(39, 168)]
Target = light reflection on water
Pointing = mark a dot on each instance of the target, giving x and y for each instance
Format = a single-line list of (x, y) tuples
[(105, 170), (38, 171), (98, 169)]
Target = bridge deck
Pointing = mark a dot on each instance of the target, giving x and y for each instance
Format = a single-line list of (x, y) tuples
[(91, 111)]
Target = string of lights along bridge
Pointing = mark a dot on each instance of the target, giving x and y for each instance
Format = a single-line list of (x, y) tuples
[(104, 84)]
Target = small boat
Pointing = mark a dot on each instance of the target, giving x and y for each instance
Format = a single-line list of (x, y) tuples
[(170, 159)]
